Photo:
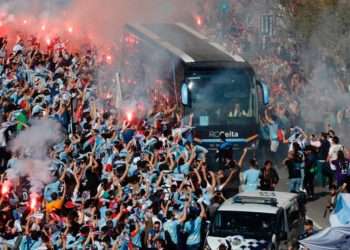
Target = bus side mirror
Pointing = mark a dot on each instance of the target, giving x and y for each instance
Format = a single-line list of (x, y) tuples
[(185, 95), (265, 92)]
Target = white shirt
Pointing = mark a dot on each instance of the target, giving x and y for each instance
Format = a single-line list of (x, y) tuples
[(17, 48), (333, 151), (333, 154)]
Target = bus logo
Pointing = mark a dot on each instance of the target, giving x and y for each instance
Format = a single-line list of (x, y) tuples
[(228, 134)]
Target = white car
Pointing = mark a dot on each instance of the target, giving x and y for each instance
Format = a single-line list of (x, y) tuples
[(257, 220)]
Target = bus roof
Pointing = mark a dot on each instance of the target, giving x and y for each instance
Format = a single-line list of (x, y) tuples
[(185, 43)]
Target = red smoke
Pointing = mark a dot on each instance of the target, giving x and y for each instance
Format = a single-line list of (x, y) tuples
[(86, 20)]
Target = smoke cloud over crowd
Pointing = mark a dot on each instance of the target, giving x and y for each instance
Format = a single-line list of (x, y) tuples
[(100, 21), (31, 148)]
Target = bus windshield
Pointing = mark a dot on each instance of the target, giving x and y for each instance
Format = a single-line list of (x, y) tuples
[(224, 98)]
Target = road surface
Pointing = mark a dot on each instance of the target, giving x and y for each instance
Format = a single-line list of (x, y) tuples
[(315, 208)]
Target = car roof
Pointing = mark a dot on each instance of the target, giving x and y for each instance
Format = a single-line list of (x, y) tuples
[(238, 203)]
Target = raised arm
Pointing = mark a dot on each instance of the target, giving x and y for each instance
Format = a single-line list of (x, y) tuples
[(172, 162), (244, 154), (64, 190), (198, 175), (63, 173), (183, 217), (193, 156), (213, 180), (160, 179), (125, 174), (203, 213), (228, 179)]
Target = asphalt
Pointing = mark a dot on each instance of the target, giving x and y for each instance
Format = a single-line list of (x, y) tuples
[(315, 207)]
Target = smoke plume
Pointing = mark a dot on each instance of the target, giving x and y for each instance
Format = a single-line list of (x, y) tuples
[(31, 150), (81, 20)]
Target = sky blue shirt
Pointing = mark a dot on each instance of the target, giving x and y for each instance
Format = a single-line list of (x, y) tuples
[(137, 239), (28, 244), (251, 179), (193, 228), (51, 188), (273, 131), (183, 169), (170, 226)]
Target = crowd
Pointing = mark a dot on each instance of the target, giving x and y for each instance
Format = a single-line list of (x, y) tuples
[(281, 62), (117, 181), (278, 61), (121, 181)]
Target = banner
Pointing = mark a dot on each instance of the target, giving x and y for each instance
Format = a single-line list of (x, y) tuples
[(332, 238), (341, 214)]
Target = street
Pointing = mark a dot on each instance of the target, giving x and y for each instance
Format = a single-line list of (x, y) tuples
[(315, 208)]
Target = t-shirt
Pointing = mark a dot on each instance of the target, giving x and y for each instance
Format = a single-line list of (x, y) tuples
[(183, 169), (273, 130), (28, 244), (193, 228), (264, 131), (333, 151), (136, 237), (51, 188), (251, 179), (171, 226), (54, 205), (152, 233)]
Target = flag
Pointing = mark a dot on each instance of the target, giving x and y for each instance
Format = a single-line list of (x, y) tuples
[(331, 238), (341, 214)]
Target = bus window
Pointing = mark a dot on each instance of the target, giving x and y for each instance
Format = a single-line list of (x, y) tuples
[(222, 99)]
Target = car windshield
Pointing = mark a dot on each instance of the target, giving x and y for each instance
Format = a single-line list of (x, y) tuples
[(222, 98), (255, 225)]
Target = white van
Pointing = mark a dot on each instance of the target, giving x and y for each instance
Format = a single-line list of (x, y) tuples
[(257, 220)]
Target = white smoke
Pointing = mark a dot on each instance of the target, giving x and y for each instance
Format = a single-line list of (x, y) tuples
[(31, 146)]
